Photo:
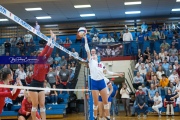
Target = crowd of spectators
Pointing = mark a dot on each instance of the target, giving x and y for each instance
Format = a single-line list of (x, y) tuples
[(60, 75)]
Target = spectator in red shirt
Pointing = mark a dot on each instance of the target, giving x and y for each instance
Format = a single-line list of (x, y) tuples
[(6, 76), (24, 112), (39, 74)]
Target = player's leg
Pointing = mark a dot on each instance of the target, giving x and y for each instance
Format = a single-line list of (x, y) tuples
[(41, 96), (34, 98)]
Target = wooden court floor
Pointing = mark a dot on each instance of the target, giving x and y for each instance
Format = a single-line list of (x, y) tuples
[(80, 116)]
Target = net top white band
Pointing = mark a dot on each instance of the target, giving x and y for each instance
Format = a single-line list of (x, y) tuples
[(16, 19), (36, 88)]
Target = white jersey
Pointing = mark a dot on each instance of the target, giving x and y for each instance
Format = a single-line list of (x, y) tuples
[(96, 70), (107, 81)]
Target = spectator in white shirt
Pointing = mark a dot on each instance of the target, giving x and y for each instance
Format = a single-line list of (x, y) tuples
[(113, 52), (22, 76), (172, 76), (27, 38), (137, 66), (127, 37), (108, 51), (103, 39), (74, 51), (142, 70), (110, 39), (176, 65), (17, 70), (173, 58), (95, 39), (165, 56), (157, 103), (125, 98)]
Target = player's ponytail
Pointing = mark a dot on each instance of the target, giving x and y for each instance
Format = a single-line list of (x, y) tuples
[(4, 72)]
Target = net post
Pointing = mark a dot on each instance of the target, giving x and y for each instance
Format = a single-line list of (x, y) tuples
[(90, 99)]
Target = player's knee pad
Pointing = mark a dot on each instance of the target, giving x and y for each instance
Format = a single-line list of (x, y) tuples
[(42, 109), (95, 107), (106, 106), (33, 109)]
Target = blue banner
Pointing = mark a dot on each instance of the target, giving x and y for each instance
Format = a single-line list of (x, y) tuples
[(22, 60)]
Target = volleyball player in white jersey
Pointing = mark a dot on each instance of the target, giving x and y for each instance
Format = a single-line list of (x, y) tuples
[(97, 81), (109, 90)]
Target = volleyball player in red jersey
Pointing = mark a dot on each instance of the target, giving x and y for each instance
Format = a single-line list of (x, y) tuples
[(39, 73), (6, 76), (24, 112)]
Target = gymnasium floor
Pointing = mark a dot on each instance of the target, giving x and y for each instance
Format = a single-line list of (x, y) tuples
[(80, 116)]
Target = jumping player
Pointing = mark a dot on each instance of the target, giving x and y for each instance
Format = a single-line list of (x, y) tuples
[(40, 71), (6, 76), (97, 81), (24, 112)]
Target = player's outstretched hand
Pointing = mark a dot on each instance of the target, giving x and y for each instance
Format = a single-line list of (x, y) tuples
[(121, 74)]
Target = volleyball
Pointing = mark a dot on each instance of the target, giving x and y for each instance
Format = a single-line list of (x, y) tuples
[(82, 31)]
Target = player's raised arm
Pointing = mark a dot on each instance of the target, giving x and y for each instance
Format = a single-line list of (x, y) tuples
[(87, 48)]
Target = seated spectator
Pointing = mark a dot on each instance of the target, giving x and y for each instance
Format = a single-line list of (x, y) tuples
[(159, 72), (144, 89), (58, 69), (144, 27), (173, 50), (115, 36), (47, 93), (172, 87), (29, 75), (139, 55), (95, 39), (103, 39), (155, 82), (57, 58), (54, 96), (138, 65), (67, 43), (71, 72), (165, 46), (151, 94), (173, 58), (157, 61), (142, 70), (163, 84), (149, 81), (157, 103), (56, 64), (50, 61), (170, 71), (108, 51), (176, 65), (162, 36), (63, 79), (63, 61), (47, 84), (147, 53), (157, 33), (113, 53), (8, 104), (27, 38), (161, 54), (110, 39), (172, 76), (175, 43), (150, 66), (74, 51), (137, 81), (165, 56), (141, 103), (169, 103), (165, 66), (73, 67), (51, 77)]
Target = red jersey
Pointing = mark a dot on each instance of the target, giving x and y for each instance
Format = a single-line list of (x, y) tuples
[(40, 70), (26, 107), (6, 92)]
